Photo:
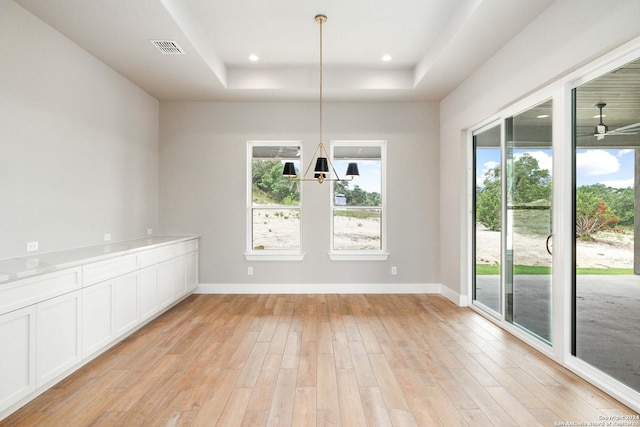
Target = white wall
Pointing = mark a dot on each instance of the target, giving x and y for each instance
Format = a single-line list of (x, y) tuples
[(79, 143), (569, 34), (203, 186)]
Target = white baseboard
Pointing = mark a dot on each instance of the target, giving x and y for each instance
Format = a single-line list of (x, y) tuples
[(318, 288), (333, 288), (456, 298)]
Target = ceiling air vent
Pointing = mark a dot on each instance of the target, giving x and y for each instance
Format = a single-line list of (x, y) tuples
[(167, 47)]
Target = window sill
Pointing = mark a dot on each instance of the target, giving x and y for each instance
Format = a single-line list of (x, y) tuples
[(358, 256), (274, 256)]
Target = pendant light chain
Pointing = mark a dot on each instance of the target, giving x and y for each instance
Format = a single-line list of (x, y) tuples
[(321, 19)]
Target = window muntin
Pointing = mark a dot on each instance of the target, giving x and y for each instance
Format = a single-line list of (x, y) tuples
[(358, 205), (274, 201)]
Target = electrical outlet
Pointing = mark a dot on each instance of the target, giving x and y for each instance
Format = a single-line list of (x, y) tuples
[(149, 231), (107, 237), (249, 271), (32, 246), (394, 270)]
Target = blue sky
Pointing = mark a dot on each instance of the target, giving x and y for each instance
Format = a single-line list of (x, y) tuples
[(369, 180), (611, 167)]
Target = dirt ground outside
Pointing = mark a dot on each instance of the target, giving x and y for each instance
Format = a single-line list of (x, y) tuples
[(609, 250), (280, 229)]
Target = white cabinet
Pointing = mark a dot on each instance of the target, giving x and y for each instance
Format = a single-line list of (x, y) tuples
[(125, 296), (165, 283), (109, 310), (54, 322), (179, 277), (148, 284), (192, 271), (18, 357), (173, 279), (97, 317), (58, 336)]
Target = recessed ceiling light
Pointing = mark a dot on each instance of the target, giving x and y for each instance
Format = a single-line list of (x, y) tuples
[(386, 58), (543, 116), (597, 116), (253, 57)]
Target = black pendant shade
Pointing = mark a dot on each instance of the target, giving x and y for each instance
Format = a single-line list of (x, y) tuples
[(352, 170), (289, 170), (321, 165)]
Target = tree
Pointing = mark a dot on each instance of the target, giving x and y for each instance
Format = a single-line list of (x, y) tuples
[(488, 200), (623, 205), (268, 183), (357, 196), (592, 211), (591, 221), (530, 183)]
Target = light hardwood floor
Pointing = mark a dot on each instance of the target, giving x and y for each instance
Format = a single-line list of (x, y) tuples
[(305, 360)]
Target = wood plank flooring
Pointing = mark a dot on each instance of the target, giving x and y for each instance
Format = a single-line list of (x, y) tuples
[(305, 360)]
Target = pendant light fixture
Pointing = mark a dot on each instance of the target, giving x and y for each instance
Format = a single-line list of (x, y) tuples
[(323, 166)]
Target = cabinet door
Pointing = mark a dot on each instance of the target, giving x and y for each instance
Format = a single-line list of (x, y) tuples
[(17, 360), (97, 316), (125, 292), (179, 277), (192, 271), (148, 284), (165, 283), (58, 339)]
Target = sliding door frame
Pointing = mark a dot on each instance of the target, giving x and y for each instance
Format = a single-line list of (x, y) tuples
[(563, 258)]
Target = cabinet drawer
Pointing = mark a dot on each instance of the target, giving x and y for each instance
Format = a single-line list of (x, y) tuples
[(165, 253), (107, 269), (156, 256), (190, 246), (25, 292)]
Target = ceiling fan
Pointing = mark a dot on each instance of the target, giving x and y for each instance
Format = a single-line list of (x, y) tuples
[(601, 130)]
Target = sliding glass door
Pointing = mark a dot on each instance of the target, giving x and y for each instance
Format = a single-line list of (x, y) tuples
[(592, 308), (528, 235), (606, 332), (512, 220), (487, 213)]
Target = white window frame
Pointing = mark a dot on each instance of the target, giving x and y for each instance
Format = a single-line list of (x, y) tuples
[(362, 255), (266, 254)]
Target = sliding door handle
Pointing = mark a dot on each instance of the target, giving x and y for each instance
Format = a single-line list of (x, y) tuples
[(547, 243)]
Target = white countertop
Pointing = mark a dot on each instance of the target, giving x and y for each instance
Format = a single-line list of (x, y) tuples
[(12, 269)]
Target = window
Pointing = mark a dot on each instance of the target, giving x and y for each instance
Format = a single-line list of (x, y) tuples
[(273, 202), (358, 217)]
